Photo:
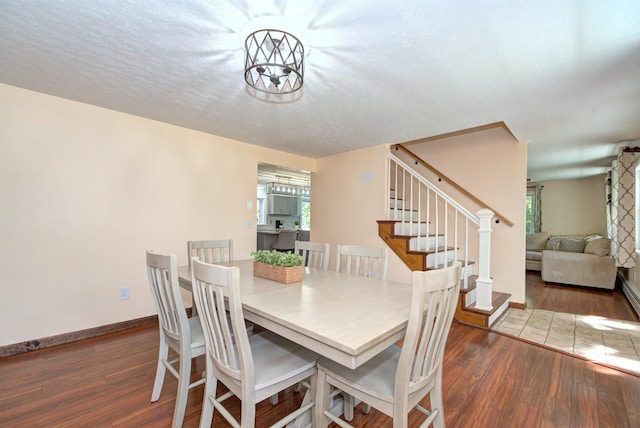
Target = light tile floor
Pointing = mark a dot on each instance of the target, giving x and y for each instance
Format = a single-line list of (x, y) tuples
[(603, 340)]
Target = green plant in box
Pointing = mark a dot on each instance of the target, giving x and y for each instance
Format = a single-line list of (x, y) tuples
[(277, 258)]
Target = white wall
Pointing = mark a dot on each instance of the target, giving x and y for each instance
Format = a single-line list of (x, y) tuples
[(574, 207), (85, 191)]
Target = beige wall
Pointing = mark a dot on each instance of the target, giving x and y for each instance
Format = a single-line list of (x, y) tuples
[(574, 207), (349, 192), (491, 165), (85, 191), (348, 198)]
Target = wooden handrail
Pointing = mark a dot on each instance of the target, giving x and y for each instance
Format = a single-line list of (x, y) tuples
[(455, 185)]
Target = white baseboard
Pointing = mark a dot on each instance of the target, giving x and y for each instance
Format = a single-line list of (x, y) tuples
[(631, 295)]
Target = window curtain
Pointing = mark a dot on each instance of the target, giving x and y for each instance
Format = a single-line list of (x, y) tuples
[(623, 191), (536, 207)]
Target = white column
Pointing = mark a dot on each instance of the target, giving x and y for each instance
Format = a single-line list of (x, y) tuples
[(484, 283)]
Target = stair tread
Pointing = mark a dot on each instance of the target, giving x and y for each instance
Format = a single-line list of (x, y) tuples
[(431, 235), (497, 299), (400, 221), (462, 262), (432, 251), (403, 209), (471, 284)]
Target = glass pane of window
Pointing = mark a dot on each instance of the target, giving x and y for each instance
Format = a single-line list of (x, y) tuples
[(261, 196), (529, 213), (305, 214), (261, 217)]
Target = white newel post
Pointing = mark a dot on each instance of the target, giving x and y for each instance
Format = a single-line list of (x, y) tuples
[(484, 283)]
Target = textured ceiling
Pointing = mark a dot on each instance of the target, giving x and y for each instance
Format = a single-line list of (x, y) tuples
[(562, 75)]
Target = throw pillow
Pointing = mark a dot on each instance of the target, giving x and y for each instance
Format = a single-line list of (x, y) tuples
[(591, 237), (571, 245), (600, 247), (537, 241), (552, 244)]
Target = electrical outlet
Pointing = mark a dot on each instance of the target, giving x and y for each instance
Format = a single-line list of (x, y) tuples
[(124, 293)]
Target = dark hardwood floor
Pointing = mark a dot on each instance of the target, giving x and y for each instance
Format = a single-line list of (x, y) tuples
[(490, 381), (577, 300)]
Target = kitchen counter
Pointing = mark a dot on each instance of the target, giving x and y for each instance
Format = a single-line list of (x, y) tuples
[(267, 237), (274, 231), (269, 231)]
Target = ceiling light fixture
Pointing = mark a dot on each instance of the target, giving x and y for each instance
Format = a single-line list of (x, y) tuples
[(275, 62), (288, 189)]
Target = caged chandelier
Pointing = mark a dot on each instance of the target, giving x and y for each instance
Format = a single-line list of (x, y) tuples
[(274, 62)]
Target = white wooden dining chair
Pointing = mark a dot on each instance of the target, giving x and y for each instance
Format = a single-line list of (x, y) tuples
[(212, 251), (398, 378), (253, 368), (371, 262), (182, 334), (314, 254), (364, 261)]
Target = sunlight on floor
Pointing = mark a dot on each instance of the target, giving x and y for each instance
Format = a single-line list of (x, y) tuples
[(612, 342)]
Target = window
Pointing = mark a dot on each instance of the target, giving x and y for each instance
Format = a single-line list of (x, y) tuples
[(529, 212), (305, 214), (261, 205), (533, 209)]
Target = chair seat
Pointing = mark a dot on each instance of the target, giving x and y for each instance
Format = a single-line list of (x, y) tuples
[(376, 377), (276, 358), (197, 337)]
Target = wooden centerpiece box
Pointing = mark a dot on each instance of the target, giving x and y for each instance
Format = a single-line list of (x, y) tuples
[(277, 266)]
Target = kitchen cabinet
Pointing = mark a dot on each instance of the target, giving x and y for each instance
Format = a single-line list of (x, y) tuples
[(282, 205)]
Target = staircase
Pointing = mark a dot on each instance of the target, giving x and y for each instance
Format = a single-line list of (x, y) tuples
[(427, 229)]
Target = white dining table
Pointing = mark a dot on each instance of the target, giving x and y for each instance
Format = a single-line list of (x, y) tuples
[(346, 318)]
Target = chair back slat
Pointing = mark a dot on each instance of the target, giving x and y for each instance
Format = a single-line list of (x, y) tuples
[(314, 254), (162, 271), (433, 304), (225, 334), (212, 251), (363, 261)]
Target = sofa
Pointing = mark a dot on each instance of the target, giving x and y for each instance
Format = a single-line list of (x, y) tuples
[(576, 260), (535, 244)]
